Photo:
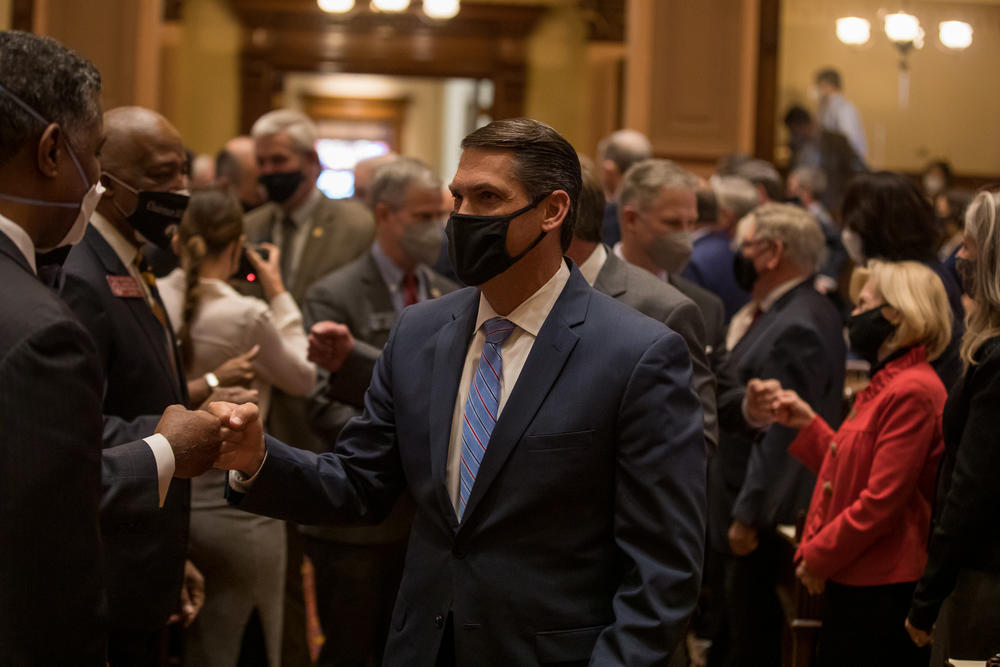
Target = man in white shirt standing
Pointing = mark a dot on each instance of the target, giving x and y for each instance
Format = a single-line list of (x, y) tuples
[(837, 113), (548, 434)]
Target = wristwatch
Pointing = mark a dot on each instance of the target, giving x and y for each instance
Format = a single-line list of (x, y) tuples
[(212, 380)]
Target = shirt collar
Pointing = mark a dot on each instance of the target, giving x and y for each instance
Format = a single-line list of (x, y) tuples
[(19, 238), (661, 274), (531, 314), (593, 264), (304, 212), (123, 247), (778, 292), (391, 274)]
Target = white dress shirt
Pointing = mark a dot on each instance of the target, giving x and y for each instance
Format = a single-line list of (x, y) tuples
[(837, 114), (527, 319), (162, 452), (302, 217), (593, 264), (19, 238), (744, 317)]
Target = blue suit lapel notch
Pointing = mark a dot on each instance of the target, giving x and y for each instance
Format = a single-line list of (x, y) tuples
[(552, 349)]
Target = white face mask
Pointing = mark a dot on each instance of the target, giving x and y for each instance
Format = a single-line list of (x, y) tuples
[(89, 201), (853, 246)]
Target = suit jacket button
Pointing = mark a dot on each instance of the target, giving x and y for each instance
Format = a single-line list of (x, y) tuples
[(439, 621), (833, 448), (828, 488)]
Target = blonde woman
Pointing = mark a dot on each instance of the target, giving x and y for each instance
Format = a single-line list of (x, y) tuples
[(962, 579), (242, 556), (870, 512)]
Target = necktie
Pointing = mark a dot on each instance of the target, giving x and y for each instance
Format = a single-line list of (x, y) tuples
[(481, 407), (288, 231), (409, 288), (146, 271)]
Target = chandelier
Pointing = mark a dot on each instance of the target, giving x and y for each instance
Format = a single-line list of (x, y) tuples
[(435, 9)]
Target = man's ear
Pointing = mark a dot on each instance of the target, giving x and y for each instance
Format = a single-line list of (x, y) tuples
[(47, 153), (627, 217), (555, 209), (779, 252)]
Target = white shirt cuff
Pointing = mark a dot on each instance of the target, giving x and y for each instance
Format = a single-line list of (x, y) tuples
[(240, 482), (165, 463)]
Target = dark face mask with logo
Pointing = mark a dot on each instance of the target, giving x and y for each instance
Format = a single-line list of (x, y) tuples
[(281, 186), (867, 332), (478, 244), (156, 214)]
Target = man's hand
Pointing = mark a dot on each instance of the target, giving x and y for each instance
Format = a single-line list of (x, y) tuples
[(742, 538), (329, 345), (238, 370), (268, 270), (919, 637), (235, 395), (813, 584), (242, 437), (192, 595), (194, 436), (760, 397)]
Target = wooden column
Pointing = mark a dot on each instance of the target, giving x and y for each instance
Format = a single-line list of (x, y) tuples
[(691, 80)]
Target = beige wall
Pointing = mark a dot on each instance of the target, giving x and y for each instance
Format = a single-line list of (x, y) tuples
[(200, 71), (953, 106), (5, 11), (422, 128)]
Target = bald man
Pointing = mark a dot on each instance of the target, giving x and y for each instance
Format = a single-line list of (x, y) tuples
[(145, 537)]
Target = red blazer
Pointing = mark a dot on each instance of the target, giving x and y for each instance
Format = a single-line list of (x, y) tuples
[(871, 509)]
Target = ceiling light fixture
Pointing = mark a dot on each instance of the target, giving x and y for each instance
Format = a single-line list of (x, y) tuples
[(390, 5), (854, 30), (336, 6), (441, 9), (955, 34)]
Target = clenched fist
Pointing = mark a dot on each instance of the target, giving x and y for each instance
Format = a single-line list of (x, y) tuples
[(194, 437)]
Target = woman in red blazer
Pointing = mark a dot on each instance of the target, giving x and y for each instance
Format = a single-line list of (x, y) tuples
[(866, 531)]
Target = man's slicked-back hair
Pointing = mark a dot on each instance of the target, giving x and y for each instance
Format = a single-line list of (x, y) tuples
[(58, 84), (543, 161)]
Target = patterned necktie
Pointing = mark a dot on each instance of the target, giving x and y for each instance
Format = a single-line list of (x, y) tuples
[(481, 407), (410, 288), (148, 277)]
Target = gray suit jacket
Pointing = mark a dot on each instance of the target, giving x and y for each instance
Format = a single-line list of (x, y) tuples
[(356, 295), (340, 231), (661, 301)]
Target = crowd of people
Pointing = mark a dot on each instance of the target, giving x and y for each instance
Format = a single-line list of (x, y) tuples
[(550, 410)]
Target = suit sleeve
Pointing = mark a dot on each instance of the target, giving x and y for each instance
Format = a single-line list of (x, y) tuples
[(356, 484), (660, 507), (793, 361), (50, 486), (687, 321), (970, 508)]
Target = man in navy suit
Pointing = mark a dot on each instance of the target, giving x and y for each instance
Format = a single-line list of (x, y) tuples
[(790, 332), (548, 434)]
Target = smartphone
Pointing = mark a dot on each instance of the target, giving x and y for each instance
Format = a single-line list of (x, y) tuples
[(246, 271)]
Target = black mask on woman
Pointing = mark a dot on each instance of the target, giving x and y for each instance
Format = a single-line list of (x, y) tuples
[(478, 243), (966, 269), (744, 271), (281, 186), (867, 332)]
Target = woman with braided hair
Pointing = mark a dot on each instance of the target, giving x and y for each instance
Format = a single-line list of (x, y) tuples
[(241, 555)]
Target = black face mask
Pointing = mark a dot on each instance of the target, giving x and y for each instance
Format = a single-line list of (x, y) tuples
[(966, 269), (867, 331), (478, 244), (744, 271), (157, 215), (281, 186)]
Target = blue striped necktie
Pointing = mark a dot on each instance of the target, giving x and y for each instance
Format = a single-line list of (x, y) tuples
[(480, 415)]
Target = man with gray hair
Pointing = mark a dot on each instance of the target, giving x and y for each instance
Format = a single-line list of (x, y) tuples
[(616, 153), (789, 332), (658, 210), (711, 264), (316, 235), (358, 568), (808, 184)]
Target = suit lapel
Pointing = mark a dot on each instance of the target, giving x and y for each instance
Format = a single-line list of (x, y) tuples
[(449, 361), (611, 279), (318, 236), (157, 337), (555, 342)]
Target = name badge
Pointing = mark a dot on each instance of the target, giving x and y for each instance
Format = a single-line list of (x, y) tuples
[(125, 287), (382, 321)]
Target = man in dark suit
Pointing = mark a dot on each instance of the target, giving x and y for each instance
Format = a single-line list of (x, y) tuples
[(790, 332), (639, 289), (570, 529), (119, 306), (657, 209), (54, 477), (358, 568), (615, 154)]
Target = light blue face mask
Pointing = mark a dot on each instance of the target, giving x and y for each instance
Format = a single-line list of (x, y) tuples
[(91, 197)]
